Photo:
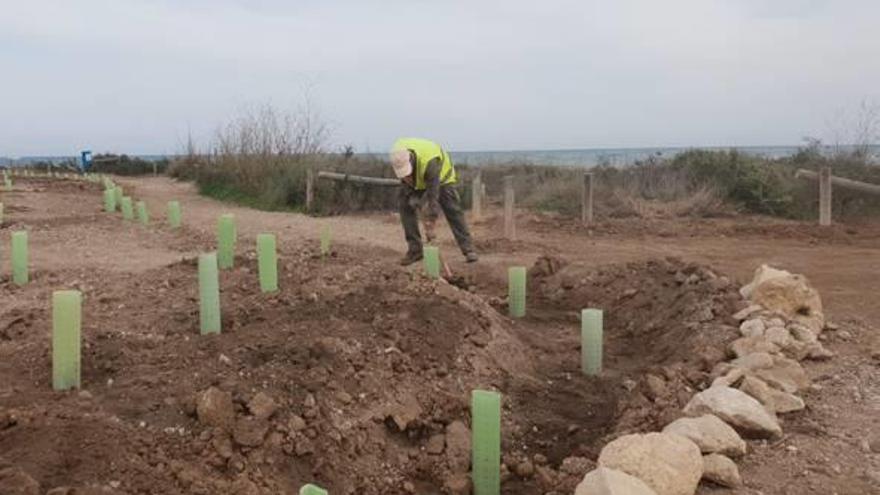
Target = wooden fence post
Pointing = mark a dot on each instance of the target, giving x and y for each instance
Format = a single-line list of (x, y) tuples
[(310, 189), (825, 196), (587, 200), (509, 221), (477, 196)]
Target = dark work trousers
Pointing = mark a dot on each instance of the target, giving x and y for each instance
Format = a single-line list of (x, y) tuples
[(450, 203)]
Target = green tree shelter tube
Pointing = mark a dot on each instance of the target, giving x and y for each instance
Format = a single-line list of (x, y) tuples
[(325, 240), (516, 291), (226, 241), (66, 321), (174, 214), (209, 294), (486, 437), (109, 200), (119, 195), (1, 213), (143, 213), (127, 213), (591, 341), (432, 261), (267, 262), (312, 490), (20, 258)]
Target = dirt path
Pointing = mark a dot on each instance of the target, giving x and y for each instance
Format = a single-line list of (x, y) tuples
[(143, 318)]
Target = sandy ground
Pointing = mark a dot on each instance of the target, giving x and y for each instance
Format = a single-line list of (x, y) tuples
[(832, 447)]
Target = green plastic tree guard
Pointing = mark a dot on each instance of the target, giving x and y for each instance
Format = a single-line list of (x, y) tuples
[(516, 291), (312, 490), (127, 213), (226, 241), (143, 213), (267, 262), (325, 240), (432, 261), (591, 341), (209, 294), (174, 214), (109, 200), (1, 213), (66, 321), (486, 456), (20, 258), (119, 195)]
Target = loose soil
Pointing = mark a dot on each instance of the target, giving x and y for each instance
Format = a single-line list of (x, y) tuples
[(370, 365)]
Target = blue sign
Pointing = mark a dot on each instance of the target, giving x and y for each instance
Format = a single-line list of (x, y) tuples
[(86, 157)]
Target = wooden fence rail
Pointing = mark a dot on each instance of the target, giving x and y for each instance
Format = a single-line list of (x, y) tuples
[(826, 181)]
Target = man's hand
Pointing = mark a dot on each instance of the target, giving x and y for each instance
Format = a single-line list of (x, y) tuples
[(430, 229)]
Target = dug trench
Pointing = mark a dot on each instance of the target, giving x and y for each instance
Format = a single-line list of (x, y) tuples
[(355, 376)]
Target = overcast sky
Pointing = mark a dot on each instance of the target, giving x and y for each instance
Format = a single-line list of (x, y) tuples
[(134, 76)]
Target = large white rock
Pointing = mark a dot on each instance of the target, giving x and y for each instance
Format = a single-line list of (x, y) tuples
[(711, 435), (744, 346), (721, 471), (741, 411), (605, 481), (784, 374), (774, 400), (788, 294), (669, 464)]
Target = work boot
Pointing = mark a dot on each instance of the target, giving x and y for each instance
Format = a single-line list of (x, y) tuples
[(471, 257), (410, 258)]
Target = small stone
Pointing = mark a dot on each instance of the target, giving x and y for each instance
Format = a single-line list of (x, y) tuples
[(540, 459), (262, 406), (754, 361), (296, 423), (721, 471), (784, 374), (744, 346), (344, 397), (736, 408), (711, 435), (729, 379), (802, 334), (818, 352), (436, 444), (778, 335), (656, 387), (214, 408), (752, 328), (409, 487), (525, 469), (774, 400), (250, 432)]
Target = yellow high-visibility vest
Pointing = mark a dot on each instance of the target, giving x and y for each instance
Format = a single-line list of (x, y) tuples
[(426, 151)]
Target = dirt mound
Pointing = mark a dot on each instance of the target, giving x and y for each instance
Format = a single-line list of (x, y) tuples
[(356, 376)]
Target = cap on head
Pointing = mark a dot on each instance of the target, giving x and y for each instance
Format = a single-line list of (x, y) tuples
[(400, 163)]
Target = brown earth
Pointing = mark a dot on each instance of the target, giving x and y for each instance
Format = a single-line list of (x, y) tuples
[(357, 374)]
